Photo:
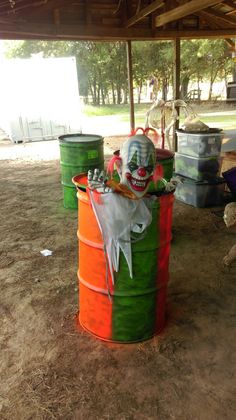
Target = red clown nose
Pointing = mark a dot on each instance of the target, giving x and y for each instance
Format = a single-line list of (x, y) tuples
[(141, 171)]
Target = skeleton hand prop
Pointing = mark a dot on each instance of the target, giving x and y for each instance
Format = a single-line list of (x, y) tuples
[(97, 181), (172, 184), (230, 257), (230, 214)]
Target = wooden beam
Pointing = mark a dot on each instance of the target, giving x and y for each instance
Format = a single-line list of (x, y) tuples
[(33, 7), (230, 43), (220, 16), (212, 24), (7, 6), (145, 12), (215, 20), (130, 84), (177, 68), (176, 83), (95, 32), (183, 10), (230, 4), (42, 6)]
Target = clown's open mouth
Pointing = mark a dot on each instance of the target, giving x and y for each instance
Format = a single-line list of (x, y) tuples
[(138, 184)]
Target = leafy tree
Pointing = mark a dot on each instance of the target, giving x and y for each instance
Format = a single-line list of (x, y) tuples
[(161, 64), (141, 64), (216, 59), (97, 63), (191, 64), (102, 68), (203, 59)]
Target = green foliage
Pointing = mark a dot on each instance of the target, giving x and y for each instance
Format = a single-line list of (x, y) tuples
[(102, 68), (204, 59)]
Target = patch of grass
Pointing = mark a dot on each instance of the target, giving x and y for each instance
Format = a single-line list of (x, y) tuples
[(220, 121), (103, 110), (122, 112)]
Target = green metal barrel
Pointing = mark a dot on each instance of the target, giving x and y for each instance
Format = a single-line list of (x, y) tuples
[(78, 154), (165, 158)]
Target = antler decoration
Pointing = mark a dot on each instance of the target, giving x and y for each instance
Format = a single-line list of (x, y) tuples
[(138, 6), (118, 7)]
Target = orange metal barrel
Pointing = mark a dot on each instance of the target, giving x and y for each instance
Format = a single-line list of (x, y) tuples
[(132, 309)]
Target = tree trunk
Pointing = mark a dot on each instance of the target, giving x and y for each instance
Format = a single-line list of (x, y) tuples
[(164, 89), (140, 92), (118, 90), (93, 94), (212, 79), (98, 94), (113, 93), (125, 95), (184, 87), (103, 95)]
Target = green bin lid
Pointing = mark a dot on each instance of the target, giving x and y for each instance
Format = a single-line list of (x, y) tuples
[(210, 130), (186, 180)]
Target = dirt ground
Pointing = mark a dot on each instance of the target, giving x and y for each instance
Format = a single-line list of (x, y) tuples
[(51, 370)]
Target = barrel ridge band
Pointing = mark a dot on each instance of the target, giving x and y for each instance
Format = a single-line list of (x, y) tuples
[(120, 294), (100, 246)]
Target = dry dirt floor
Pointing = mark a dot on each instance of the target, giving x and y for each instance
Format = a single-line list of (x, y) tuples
[(51, 370)]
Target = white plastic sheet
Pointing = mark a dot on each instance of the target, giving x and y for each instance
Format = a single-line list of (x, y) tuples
[(117, 217)]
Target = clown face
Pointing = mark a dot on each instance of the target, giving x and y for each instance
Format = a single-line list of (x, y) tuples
[(138, 161)]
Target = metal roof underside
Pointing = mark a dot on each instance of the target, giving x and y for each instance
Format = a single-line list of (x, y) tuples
[(117, 19)]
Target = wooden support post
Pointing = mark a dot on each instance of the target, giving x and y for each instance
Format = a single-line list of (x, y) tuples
[(130, 82), (176, 82)]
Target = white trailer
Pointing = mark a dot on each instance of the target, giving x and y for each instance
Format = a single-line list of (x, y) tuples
[(39, 98)]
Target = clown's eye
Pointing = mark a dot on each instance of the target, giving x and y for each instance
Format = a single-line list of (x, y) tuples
[(132, 166), (149, 168)]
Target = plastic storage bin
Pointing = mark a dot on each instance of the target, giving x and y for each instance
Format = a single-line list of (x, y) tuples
[(199, 169), (201, 194), (200, 144)]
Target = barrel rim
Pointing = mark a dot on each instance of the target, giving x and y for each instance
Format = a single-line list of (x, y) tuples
[(210, 131), (111, 340), (62, 138)]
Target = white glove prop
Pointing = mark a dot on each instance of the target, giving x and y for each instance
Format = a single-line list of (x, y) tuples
[(172, 184), (97, 181)]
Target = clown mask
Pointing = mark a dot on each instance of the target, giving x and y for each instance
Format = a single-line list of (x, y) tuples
[(138, 160)]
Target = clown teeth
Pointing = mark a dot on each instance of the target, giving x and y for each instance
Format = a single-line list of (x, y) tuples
[(138, 183)]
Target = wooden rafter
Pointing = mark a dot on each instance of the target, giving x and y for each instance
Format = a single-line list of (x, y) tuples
[(42, 6), (92, 32), (145, 12), (212, 24), (117, 19), (230, 4), (231, 43), (217, 20), (220, 16), (183, 10), (21, 5)]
